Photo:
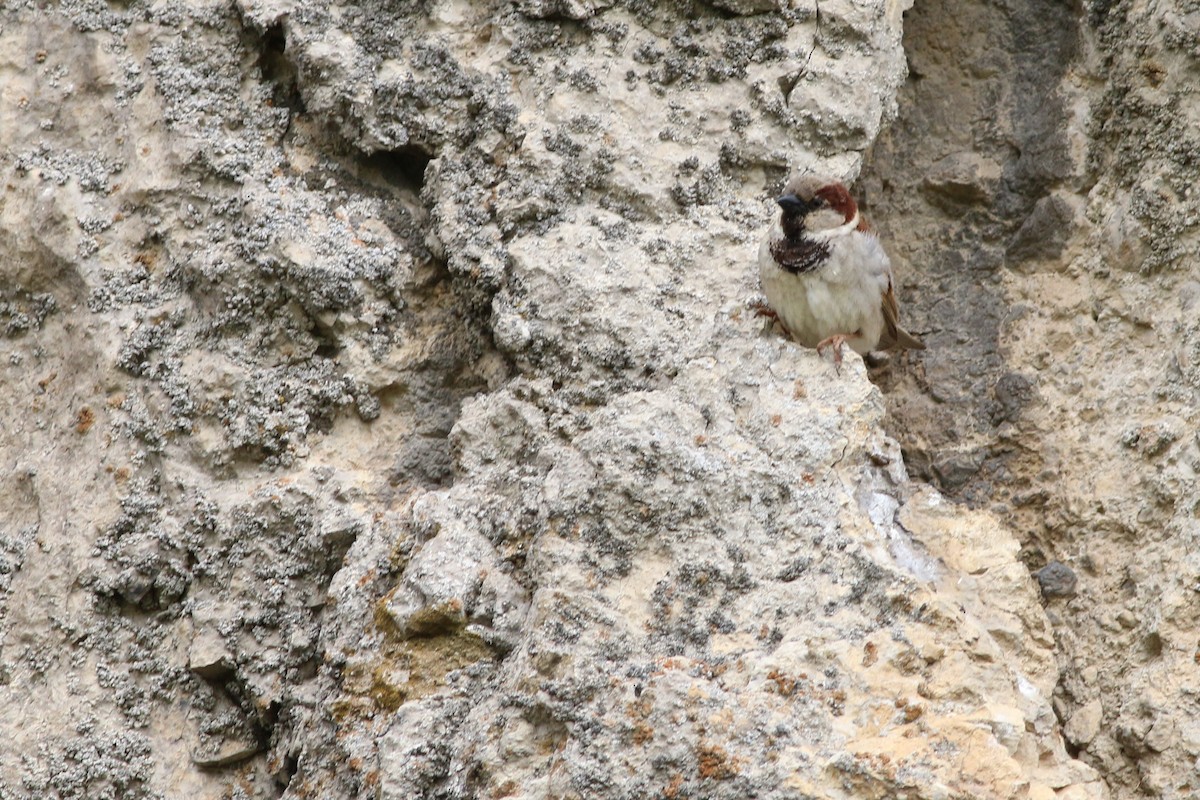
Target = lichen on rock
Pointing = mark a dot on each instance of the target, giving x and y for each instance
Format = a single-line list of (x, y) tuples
[(388, 418)]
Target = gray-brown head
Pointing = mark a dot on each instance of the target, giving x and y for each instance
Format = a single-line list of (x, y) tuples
[(812, 203)]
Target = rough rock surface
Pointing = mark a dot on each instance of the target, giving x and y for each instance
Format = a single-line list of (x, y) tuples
[(1039, 190), (387, 420)]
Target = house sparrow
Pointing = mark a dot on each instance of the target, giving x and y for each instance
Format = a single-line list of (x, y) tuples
[(825, 275)]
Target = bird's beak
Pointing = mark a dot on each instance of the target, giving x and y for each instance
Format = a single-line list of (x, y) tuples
[(789, 202)]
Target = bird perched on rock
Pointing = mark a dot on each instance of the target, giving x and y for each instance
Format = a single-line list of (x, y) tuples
[(825, 274)]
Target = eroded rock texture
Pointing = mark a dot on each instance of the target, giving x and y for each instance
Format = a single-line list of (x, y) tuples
[(386, 418), (1039, 187)]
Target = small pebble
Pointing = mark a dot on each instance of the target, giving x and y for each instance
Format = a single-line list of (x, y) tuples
[(1056, 580)]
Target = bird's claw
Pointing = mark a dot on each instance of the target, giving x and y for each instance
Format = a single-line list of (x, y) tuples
[(836, 342), (761, 309)]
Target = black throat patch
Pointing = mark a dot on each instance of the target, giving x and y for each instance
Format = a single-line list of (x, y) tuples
[(795, 253), (799, 255)]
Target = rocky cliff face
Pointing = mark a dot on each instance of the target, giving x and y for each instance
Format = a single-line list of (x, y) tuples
[(387, 419), (1042, 186)]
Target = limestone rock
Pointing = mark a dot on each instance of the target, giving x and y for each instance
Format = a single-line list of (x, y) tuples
[(1084, 724), (386, 416)]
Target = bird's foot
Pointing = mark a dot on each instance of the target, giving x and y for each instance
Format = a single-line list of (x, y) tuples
[(761, 309), (837, 341)]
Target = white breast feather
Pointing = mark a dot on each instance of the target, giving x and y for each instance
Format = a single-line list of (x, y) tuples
[(842, 296)]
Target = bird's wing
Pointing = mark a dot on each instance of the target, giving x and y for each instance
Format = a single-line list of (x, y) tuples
[(893, 334)]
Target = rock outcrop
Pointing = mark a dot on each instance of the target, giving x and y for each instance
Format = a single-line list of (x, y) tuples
[(387, 417)]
